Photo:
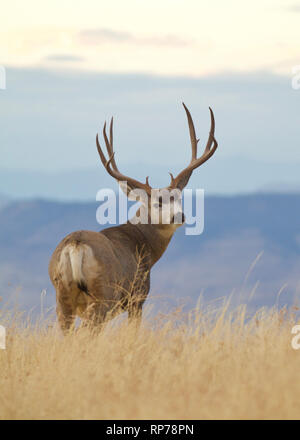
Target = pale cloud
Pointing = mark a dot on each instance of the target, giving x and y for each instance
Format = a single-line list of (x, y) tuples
[(163, 38), (105, 35), (167, 40), (294, 8), (62, 58)]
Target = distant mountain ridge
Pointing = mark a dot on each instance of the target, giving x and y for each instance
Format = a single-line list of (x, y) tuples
[(4, 200), (239, 230)]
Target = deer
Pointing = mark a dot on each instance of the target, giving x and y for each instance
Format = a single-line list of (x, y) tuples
[(97, 275)]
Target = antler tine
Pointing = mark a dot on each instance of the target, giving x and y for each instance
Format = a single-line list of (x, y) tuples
[(111, 139), (101, 154), (109, 143), (182, 179), (211, 136), (208, 152), (113, 172), (194, 140), (110, 164)]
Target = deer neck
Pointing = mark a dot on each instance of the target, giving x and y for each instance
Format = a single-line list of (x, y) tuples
[(155, 237)]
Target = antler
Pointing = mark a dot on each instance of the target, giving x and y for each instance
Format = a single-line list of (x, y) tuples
[(110, 164), (182, 179)]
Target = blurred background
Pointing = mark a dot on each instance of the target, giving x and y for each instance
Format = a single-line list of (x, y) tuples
[(71, 66)]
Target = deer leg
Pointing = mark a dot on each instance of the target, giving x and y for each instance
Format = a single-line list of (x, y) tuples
[(94, 316), (64, 310), (135, 312), (135, 306)]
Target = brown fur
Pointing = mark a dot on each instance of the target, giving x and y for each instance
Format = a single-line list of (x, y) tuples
[(98, 274), (117, 279)]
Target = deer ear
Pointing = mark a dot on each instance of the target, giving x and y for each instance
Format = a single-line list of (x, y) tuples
[(134, 194), (126, 188)]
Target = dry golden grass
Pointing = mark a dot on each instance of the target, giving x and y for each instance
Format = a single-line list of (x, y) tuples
[(210, 365)]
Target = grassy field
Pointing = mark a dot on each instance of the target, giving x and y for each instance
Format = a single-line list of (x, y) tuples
[(204, 365)]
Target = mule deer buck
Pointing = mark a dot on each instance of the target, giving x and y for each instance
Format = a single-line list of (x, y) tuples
[(97, 275)]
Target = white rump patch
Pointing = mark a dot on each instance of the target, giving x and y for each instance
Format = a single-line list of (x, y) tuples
[(77, 263)]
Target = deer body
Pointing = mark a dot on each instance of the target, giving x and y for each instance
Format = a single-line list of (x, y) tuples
[(97, 275)]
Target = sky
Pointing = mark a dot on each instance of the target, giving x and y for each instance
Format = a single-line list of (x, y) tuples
[(69, 66), (168, 37)]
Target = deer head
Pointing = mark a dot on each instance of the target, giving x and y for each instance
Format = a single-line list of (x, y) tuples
[(159, 206)]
